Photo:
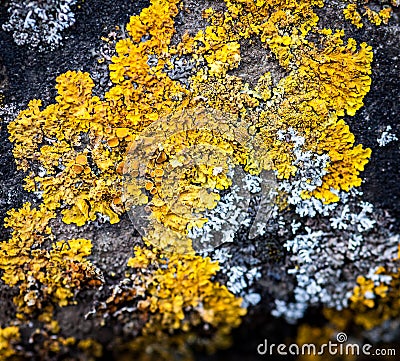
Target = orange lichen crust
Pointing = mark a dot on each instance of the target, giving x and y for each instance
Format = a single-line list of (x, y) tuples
[(180, 294), (84, 181), (346, 162), (325, 81), (44, 277), (9, 336), (374, 301), (176, 183), (351, 13), (354, 15), (80, 141)]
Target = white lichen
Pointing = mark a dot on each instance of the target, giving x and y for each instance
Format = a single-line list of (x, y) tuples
[(386, 137), (39, 24)]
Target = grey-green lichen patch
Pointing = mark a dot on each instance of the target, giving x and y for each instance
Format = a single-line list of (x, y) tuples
[(39, 23)]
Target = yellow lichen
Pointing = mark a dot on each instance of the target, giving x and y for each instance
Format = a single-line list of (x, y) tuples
[(180, 294), (160, 347), (69, 179), (385, 14), (375, 302), (8, 337), (372, 16), (44, 277), (171, 170), (322, 85), (346, 162), (52, 344), (101, 127), (317, 336), (372, 301), (351, 13), (92, 349)]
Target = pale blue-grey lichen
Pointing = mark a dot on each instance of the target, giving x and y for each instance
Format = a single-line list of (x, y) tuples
[(386, 137), (39, 23), (326, 253)]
